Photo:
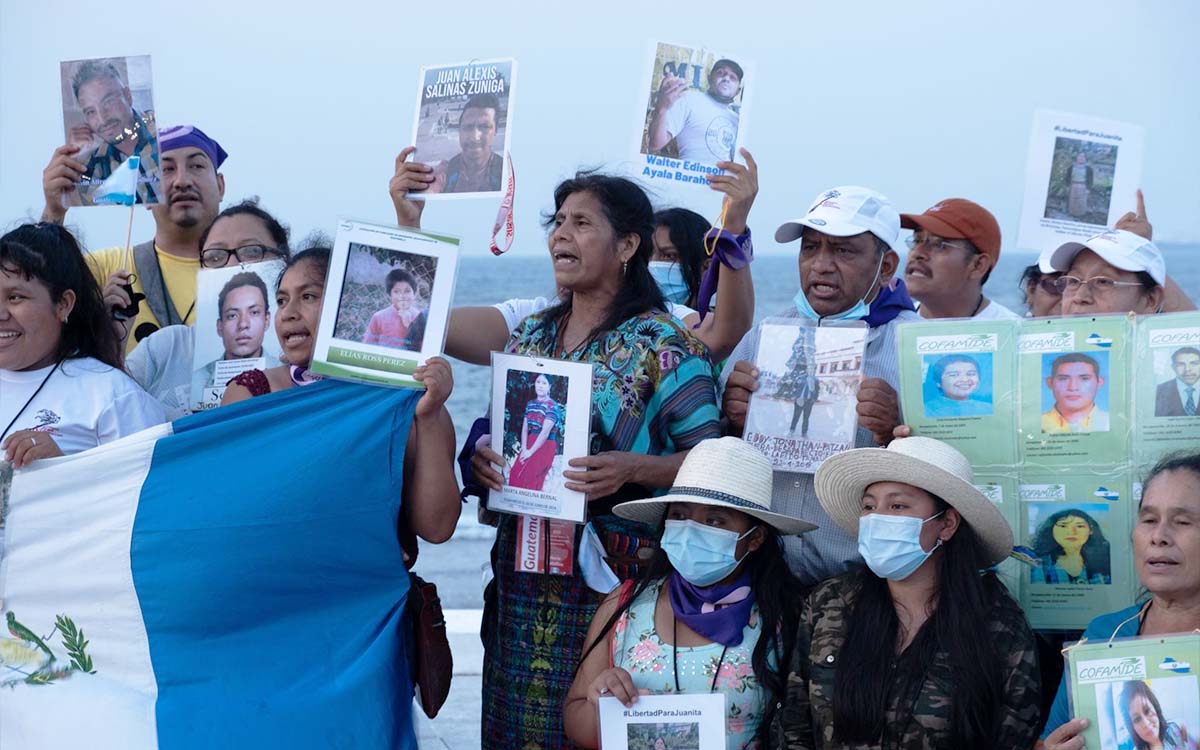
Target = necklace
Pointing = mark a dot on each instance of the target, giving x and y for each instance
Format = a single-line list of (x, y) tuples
[(31, 398), (978, 305), (675, 656)]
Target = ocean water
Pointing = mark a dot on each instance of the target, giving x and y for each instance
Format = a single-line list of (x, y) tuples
[(488, 280)]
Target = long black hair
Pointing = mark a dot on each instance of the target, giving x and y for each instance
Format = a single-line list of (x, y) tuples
[(686, 230), (776, 594), (50, 254), (1095, 552), (961, 615), (629, 212)]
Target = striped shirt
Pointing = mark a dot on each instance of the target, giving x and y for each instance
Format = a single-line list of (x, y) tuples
[(827, 551)]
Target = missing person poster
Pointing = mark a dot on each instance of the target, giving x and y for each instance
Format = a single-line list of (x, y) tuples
[(541, 417), (387, 303), (678, 721), (958, 383), (1166, 385), (1078, 528), (693, 114), (108, 114), (1082, 174), (1136, 692), (1001, 489), (463, 126), (805, 409), (234, 328), (1075, 391)]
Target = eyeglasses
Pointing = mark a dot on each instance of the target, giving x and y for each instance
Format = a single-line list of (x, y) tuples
[(217, 257), (1049, 286), (935, 244), (1097, 284)]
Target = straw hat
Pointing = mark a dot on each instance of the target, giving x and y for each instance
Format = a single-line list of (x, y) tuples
[(725, 472), (922, 462)]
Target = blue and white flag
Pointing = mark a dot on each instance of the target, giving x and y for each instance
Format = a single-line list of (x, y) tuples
[(231, 580), (120, 189)]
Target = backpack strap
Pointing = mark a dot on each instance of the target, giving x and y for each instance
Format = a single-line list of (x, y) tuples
[(145, 263)]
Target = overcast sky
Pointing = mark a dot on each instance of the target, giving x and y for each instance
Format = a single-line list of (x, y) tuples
[(921, 100)]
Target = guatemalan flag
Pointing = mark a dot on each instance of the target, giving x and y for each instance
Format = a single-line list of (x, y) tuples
[(232, 580)]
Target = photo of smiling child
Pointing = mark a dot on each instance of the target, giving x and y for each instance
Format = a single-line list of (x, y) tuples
[(400, 325), (958, 385)]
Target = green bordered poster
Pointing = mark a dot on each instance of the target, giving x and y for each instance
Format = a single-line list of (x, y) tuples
[(386, 307), (1001, 489), (1166, 385), (1074, 383), (1078, 528), (1136, 692), (958, 384)]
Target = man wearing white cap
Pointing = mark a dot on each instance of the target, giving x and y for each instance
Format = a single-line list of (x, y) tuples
[(1114, 272), (846, 263)]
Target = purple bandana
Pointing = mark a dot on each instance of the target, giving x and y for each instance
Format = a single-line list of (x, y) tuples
[(719, 613), (301, 375), (182, 136), (732, 250)]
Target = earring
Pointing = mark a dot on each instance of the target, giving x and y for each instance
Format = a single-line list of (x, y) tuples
[(624, 268)]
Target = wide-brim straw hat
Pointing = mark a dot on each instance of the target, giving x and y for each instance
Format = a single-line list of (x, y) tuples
[(922, 462), (724, 472)]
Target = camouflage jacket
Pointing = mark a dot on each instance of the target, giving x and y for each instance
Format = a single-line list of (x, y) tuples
[(920, 722)]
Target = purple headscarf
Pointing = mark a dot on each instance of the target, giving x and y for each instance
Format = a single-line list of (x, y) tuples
[(182, 136)]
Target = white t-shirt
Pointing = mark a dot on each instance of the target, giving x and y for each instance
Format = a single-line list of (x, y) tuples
[(162, 364), (995, 311), (705, 130), (516, 310), (84, 403)]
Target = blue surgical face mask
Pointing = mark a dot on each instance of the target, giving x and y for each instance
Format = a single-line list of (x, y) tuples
[(701, 554), (891, 545), (669, 277), (857, 311)]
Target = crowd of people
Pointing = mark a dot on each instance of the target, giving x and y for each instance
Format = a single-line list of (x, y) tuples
[(854, 608)]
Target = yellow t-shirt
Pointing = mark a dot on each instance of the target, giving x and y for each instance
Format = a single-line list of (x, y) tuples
[(178, 273)]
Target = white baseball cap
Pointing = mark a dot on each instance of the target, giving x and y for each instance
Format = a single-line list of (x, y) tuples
[(1125, 250), (1044, 261), (844, 212)]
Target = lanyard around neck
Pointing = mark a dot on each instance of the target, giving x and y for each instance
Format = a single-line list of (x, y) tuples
[(31, 398)]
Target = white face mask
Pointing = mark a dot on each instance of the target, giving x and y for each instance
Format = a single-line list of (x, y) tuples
[(891, 545)]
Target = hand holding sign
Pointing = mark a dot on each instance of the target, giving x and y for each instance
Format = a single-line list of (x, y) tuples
[(740, 185), (409, 176), (1136, 221)]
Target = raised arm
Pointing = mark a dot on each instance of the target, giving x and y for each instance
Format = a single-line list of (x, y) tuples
[(474, 333), (734, 314), (430, 495)]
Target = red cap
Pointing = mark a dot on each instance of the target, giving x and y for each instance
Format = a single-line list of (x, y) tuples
[(959, 219)]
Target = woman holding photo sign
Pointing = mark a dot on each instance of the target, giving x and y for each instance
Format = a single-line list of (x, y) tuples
[(1166, 557), (679, 255), (716, 608), (653, 397)]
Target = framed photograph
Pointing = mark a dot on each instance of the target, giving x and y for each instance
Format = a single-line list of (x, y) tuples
[(1075, 408), (463, 126), (958, 383), (387, 302), (1136, 692), (234, 328), (108, 111), (805, 409), (693, 115), (1082, 173), (664, 722), (1167, 388), (541, 419), (1077, 527)]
